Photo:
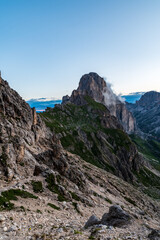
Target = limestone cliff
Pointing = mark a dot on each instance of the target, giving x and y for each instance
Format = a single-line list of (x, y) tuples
[(94, 86)]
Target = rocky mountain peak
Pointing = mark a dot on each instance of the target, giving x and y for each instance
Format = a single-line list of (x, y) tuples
[(96, 87), (93, 85), (149, 99)]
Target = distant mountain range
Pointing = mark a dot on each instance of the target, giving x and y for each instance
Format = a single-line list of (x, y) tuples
[(42, 103)]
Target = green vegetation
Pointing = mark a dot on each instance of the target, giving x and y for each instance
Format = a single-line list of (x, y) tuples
[(38, 211), (12, 194), (100, 196), (79, 127), (77, 232), (150, 181), (37, 186), (108, 200), (119, 137), (130, 201), (94, 104), (75, 196), (53, 206), (53, 187), (75, 205), (150, 149)]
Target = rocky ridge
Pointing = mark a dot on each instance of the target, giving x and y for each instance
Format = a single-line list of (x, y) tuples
[(94, 86)]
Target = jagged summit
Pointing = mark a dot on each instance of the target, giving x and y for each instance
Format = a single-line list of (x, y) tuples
[(93, 85), (96, 87)]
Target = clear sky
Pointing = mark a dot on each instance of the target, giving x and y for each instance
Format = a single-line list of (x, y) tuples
[(47, 45)]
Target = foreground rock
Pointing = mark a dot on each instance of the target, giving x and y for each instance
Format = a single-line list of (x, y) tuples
[(93, 220), (154, 235), (116, 217)]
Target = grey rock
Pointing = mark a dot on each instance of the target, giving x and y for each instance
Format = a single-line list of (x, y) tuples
[(93, 220), (116, 217), (154, 235), (95, 86)]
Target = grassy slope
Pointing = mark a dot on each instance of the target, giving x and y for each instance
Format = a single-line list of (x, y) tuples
[(76, 118), (86, 119), (151, 151)]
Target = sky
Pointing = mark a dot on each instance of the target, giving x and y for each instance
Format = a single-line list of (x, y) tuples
[(47, 45)]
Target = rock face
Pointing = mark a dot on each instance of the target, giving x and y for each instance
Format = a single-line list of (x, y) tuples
[(26, 141), (147, 114), (94, 86)]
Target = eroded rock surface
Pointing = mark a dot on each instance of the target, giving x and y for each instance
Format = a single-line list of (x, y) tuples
[(95, 86)]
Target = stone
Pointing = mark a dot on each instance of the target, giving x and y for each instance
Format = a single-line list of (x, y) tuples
[(5, 229), (93, 220), (2, 218), (154, 235), (116, 217)]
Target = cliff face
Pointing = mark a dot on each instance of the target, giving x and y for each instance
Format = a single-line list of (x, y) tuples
[(147, 114), (94, 86), (26, 144)]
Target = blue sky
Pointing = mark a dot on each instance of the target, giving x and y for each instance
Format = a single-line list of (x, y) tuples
[(47, 45)]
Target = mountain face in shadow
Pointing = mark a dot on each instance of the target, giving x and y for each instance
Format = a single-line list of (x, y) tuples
[(147, 114)]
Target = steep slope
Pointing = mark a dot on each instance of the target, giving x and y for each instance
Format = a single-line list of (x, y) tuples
[(94, 134), (150, 149), (49, 193), (147, 114), (26, 143), (94, 86)]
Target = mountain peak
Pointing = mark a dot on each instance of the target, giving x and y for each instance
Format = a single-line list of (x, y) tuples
[(149, 98), (94, 86)]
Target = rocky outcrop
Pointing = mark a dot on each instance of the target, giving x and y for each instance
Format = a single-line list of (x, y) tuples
[(94, 86), (147, 114), (116, 217), (26, 143)]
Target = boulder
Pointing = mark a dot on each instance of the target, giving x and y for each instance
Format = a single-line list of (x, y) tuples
[(154, 235), (116, 217), (93, 220)]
